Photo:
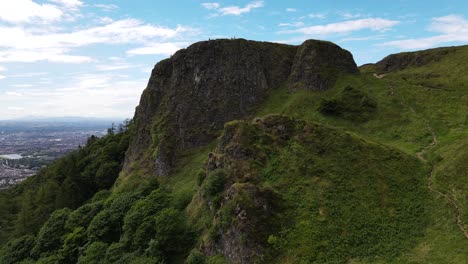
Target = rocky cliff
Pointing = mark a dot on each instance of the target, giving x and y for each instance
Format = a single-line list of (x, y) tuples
[(191, 95)]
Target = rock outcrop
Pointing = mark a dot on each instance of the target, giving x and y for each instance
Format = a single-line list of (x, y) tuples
[(191, 95), (317, 65)]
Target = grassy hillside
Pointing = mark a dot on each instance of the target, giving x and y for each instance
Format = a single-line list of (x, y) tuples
[(339, 196), (371, 171)]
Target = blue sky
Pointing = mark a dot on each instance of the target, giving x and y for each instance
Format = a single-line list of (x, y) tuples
[(94, 57)]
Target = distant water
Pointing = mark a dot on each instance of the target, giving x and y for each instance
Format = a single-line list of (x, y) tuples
[(10, 156)]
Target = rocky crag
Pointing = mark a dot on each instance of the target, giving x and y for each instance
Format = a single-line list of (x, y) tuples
[(191, 95)]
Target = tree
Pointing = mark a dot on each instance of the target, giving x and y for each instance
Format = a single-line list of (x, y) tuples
[(16, 250), (50, 236), (72, 244), (95, 253)]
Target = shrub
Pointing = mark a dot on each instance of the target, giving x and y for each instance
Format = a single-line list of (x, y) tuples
[(353, 104), (214, 183), (195, 257)]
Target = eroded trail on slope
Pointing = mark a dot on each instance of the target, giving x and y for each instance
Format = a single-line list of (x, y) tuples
[(430, 182), (420, 155)]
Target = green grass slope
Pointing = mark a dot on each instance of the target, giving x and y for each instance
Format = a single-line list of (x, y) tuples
[(342, 198)]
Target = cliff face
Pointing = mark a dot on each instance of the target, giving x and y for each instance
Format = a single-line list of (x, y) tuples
[(317, 64), (191, 95)]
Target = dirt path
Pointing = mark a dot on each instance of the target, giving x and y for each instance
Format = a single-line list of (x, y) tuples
[(378, 76), (430, 180), (420, 156)]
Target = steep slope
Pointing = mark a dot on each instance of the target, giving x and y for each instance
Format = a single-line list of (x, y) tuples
[(191, 95)]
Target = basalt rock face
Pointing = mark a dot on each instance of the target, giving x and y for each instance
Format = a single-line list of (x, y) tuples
[(191, 95), (317, 64)]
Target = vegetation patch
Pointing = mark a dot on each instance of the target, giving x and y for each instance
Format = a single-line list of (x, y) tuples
[(353, 104)]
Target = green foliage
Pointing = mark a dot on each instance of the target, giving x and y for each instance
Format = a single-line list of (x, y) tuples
[(82, 216), (138, 228), (353, 104), (94, 253), (67, 182), (214, 183), (171, 234), (195, 257), (72, 244), (107, 224), (17, 250), (50, 237)]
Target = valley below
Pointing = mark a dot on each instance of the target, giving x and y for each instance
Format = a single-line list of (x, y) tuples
[(27, 146)]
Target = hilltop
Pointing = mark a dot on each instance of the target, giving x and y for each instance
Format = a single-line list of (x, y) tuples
[(255, 152)]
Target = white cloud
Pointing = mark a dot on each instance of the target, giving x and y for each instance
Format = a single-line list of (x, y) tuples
[(362, 38), (105, 95), (295, 24), (50, 55), (168, 48), (289, 9), (317, 15), (26, 11), (22, 45), (15, 108), (23, 85), (113, 58), (107, 7), (13, 94), (69, 4), (451, 24), (374, 24), (2, 68), (116, 67), (451, 28), (29, 74), (120, 31), (211, 5), (105, 20), (349, 15), (232, 10), (2, 77)]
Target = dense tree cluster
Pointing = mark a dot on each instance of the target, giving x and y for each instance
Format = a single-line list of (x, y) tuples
[(66, 214)]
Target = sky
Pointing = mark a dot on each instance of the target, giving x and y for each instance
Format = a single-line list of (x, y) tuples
[(93, 58)]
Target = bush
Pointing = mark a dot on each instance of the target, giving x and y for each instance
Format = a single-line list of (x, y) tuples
[(195, 257), (214, 183), (353, 104)]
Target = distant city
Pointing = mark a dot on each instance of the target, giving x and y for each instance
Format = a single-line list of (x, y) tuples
[(29, 144)]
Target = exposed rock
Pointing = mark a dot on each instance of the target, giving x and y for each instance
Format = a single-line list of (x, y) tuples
[(248, 212), (194, 93), (317, 64)]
